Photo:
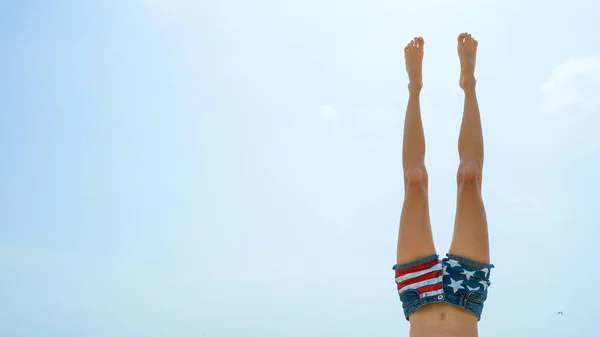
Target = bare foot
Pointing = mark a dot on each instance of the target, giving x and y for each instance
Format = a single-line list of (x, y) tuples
[(413, 56), (467, 53)]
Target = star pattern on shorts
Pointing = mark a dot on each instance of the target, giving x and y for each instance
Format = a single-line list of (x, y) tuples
[(468, 274), (444, 270), (453, 263), (485, 271), (455, 285), (484, 283), (472, 289)]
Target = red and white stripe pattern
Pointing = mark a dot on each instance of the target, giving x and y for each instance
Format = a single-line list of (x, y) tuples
[(426, 278)]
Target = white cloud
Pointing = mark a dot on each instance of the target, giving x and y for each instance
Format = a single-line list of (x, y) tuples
[(329, 113), (568, 85)]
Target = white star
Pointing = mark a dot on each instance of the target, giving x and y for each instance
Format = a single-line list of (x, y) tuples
[(445, 272), (453, 263), (486, 271), (472, 289), (468, 274), (455, 285), (484, 283)]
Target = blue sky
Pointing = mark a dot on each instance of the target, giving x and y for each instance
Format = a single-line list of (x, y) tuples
[(232, 168)]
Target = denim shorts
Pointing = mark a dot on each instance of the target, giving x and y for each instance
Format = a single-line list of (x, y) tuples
[(456, 280)]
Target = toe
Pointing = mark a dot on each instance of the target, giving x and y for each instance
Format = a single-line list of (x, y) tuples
[(461, 38), (471, 39), (421, 42)]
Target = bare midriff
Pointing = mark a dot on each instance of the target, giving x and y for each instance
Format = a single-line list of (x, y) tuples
[(442, 320)]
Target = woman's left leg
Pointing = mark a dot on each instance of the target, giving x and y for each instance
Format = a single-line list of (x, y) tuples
[(470, 239)]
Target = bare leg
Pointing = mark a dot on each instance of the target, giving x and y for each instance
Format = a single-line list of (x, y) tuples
[(415, 239), (470, 237)]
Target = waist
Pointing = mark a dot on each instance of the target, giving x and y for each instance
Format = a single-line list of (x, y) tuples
[(442, 320)]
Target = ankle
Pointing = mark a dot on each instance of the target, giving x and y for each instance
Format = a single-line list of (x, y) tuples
[(414, 88), (469, 91), (468, 82)]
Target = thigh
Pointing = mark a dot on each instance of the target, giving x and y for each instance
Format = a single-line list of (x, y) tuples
[(470, 238), (415, 239)]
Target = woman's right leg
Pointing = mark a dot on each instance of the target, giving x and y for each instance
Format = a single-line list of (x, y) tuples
[(415, 239)]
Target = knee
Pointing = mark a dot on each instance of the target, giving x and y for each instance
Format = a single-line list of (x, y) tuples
[(415, 175), (469, 174)]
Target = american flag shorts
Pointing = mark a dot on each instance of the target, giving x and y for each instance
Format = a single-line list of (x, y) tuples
[(454, 279)]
